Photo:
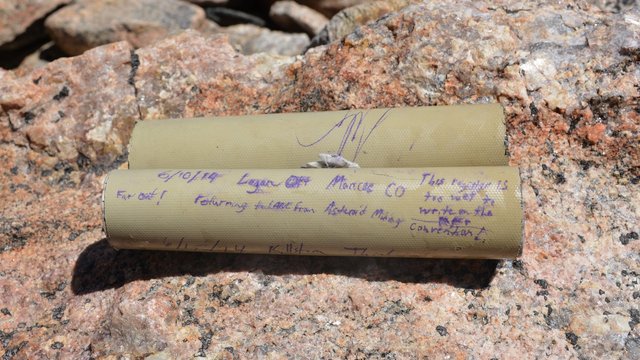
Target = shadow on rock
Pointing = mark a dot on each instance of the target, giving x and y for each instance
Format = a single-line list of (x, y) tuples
[(100, 267)]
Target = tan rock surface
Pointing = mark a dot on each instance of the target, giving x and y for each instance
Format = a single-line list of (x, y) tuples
[(88, 23)]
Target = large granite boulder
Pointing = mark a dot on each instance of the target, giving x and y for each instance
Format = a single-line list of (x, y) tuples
[(567, 77)]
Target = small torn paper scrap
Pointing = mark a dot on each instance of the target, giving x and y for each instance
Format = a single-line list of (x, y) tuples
[(330, 161)]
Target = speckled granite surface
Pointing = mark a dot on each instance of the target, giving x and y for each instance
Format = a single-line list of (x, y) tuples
[(567, 76)]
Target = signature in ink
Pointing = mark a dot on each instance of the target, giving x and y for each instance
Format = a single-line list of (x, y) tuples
[(353, 129)]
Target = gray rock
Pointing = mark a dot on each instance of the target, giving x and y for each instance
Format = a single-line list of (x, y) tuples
[(251, 39), (292, 16), (331, 7), (616, 6), (87, 24)]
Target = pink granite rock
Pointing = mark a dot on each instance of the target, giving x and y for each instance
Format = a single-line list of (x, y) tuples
[(292, 16), (72, 112), (87, 24), (21, 20), (567, 78), (178, 76)]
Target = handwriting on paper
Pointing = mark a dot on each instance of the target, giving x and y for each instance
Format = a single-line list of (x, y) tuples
[(353, 131), (438, 205)]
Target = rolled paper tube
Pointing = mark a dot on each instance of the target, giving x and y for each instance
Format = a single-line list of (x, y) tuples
[(460, 135), (464, 212)]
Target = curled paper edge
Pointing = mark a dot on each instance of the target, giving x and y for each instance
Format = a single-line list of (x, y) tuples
[(330, 161)]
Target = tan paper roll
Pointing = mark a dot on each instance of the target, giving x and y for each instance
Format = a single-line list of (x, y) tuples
[(471, 212), (461, 135)]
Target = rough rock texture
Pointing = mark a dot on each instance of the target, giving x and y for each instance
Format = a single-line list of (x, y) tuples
[(346, 21), (295, 17), (73, 112), (330, 7), (250, 39), (21, 20), (203, 71), (88, 23), (616, 5), (567, 77)]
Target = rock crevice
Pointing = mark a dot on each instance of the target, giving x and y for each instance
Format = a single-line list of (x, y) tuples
[(135, 63)]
